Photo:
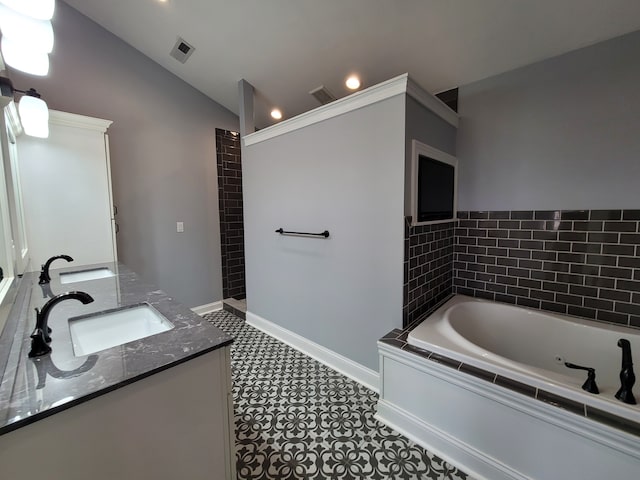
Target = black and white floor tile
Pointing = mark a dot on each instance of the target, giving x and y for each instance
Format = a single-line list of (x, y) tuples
[(298, 419)]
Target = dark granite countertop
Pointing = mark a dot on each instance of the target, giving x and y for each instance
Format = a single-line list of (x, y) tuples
[(31, 389)]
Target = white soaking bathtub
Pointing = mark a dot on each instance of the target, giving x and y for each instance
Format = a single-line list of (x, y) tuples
[(531, 346), (488, 391)]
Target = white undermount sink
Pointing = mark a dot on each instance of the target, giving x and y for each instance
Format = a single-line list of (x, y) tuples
[(84, 275), (99, 331)]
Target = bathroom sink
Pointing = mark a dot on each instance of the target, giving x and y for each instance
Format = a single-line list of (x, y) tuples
[(84, 275), (98, 331)]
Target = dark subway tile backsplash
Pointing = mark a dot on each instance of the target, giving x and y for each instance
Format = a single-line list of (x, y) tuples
[(579, 262), (428, 267)]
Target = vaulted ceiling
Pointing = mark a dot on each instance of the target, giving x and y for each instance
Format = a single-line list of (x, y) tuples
[(285, 48)]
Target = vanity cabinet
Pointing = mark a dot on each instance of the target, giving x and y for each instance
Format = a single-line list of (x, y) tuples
[(157, 407), (174, 424), (66, 186)]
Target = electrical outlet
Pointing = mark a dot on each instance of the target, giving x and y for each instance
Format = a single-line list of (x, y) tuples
[(180, 227)]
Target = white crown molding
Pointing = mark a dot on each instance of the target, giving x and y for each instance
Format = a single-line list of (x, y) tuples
[(390, 88), (344, 365), (79, 121), (207, 308), (371, 95), (432, 103)]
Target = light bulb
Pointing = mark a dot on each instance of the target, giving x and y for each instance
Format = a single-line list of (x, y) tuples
[(21, 58), (276, 114), (36, 35), (353, 82), (39, 9), (34, 115)]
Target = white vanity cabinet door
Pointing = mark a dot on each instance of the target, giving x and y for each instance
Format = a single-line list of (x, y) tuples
[(66, 187)]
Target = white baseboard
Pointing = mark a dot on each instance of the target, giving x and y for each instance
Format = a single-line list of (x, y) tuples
[(207, 308), (453, 451), (361, 374)]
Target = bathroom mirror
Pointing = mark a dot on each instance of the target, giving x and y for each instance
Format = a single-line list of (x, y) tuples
[(5, 270), (14, 195), (6, 254), (14, 252)]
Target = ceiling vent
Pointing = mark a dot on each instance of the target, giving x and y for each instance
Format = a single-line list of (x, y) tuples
[(182, 50), (323, 95)]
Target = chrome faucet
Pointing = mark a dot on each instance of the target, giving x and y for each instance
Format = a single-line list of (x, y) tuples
[(40, 336), (627, 377), (44, 272)]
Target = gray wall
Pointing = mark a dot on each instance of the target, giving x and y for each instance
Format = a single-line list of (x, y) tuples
[(559, 134), (345, 174), (428, 128), (163, 154)]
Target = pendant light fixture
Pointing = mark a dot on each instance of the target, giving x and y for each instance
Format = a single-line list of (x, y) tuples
[(38, 9), (33, 111), (34, 34), (34, 114), (21, 58), (27, 34)]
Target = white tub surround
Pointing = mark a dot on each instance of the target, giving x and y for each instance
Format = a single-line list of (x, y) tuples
[(482, 393)]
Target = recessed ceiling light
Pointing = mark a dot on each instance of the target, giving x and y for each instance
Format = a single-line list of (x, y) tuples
[(353, 82), (277, 114)]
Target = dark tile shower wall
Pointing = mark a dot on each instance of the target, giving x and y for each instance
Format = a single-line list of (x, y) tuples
[(428, 267), (230, 206), (583, 263)]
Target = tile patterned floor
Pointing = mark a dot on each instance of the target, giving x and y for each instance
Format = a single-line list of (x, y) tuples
[(298, 419)]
